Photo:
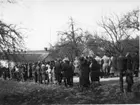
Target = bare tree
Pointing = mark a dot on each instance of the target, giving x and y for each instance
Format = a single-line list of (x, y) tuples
[(10, 38), (8, 1), (131, 20), (72, 37), (118, 29)]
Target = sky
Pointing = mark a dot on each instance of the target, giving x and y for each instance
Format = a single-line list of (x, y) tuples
[(40, 20)]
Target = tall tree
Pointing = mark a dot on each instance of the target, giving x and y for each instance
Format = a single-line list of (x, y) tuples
[(118, 29), (131, 20), (72, 37), (10, 38), (98, 44)]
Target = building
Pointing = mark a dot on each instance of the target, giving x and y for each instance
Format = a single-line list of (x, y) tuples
[(27, 57)]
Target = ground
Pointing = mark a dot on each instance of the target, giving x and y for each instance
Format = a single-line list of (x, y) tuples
[(29, 93)]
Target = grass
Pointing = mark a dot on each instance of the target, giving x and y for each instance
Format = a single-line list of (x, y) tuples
[(29, 93)]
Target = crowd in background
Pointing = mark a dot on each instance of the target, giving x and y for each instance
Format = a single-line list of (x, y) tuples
[(89, 69)]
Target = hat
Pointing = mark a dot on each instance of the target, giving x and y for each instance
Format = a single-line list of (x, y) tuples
[(66, 59)]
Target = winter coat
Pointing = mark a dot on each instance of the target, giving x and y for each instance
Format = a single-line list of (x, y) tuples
[(84, 73), (129, 62), (129, 77), (121, 63), (58, 68), (95, 71), (67, 70)]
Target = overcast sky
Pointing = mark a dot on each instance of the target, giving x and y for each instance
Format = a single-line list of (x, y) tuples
[(43, 18)]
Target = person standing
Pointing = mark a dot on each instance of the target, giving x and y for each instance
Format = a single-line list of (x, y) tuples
[(67, 73), (129, 73), (94, 71), (84, 73), (113, 68), (106, 61), (49, 72), (76, 66), (4, 69), (71, 67), (43, 72), (30, 71), (121, 66), (136, 64), (58, 71), (17, 72), (22, 72), (25, 72), (38, 72)]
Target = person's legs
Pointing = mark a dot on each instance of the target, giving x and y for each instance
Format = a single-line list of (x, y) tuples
[(71, 81), (137, 73), (129, 86), (40, 78), (104, 70), (36, 77), (65, 81), (121, 81), (59, 79)]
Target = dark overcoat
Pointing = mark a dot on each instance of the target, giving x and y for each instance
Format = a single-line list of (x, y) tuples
[(67, 70), (84, 73), (95, 71)]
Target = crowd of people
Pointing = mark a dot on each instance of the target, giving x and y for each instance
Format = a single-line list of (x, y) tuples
[(89, 69)]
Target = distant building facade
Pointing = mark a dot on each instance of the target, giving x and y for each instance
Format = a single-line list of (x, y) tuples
[(25, 57)]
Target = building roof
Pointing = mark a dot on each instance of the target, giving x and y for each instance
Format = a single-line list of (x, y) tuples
[(36, 52), (28, 56)]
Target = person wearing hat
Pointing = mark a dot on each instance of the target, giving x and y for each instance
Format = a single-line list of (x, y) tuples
[(67, 73), (58, 71), (84, 73)]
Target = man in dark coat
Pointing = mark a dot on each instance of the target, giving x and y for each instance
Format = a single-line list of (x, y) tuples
[(4, 69), (35, 73), (71, 67), (136, 64), (121, 66), (58, 71), (30, 71), (67, 73), (129, 73), (25, 72), (52, 64), (84, 73), (22, 72), (1, 71), (38, 70), (94, 71)]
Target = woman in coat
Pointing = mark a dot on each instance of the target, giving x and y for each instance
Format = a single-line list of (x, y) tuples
[(84, 73), (95, 71), (67, 73)]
